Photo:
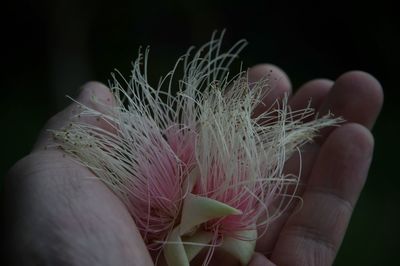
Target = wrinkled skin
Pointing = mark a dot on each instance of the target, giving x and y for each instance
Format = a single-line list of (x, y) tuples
[(56, 215)]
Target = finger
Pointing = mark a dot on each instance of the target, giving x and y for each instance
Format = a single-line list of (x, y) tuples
[(324, 99), (313, 235), (260, 260), (356, 96), (367, 89), (267, 242), (94, 95), (278, 85), (312, 92)]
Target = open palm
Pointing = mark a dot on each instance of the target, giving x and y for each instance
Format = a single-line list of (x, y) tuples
[(59, 213)]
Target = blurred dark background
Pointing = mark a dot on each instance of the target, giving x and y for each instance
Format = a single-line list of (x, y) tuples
[(50, 48)]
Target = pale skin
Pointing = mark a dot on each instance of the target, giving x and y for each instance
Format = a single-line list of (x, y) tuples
[(56, 215)]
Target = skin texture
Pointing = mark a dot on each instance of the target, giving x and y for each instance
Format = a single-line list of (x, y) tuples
[(58, 213)]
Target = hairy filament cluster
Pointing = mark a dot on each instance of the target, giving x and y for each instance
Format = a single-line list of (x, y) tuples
[(201, 148)]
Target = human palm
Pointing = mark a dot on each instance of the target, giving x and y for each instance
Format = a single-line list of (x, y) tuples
[(59, 213)]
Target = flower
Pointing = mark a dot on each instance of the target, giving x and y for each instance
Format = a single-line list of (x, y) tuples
[(196, 168)]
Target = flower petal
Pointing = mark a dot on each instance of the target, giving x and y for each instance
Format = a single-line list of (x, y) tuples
[(242, 246), (197, 210), (194, 244), (174, 251)]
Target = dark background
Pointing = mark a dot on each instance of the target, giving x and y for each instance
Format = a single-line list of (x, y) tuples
[(50, 48)]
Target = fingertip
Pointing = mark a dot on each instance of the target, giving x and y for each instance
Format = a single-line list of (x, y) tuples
[(352, 138), (94, 86), (94, 95), (315, 91), (93, 91), (356, 96), (365, 82), (346, 155), (358, 75), (318, 82), (277, 77), (278, 85)]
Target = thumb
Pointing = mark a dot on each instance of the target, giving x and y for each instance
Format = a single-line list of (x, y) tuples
[(94, 95)]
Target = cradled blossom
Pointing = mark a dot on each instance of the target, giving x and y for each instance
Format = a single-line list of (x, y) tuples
[(190, 159)]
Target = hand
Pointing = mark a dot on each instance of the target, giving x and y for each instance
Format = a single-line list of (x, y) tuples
[(58, 214), (334, 171)]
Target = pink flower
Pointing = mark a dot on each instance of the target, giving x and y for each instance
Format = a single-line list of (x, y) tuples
[(194, 168)]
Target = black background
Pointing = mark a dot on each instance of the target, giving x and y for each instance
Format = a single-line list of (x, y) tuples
[(49, 49)]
